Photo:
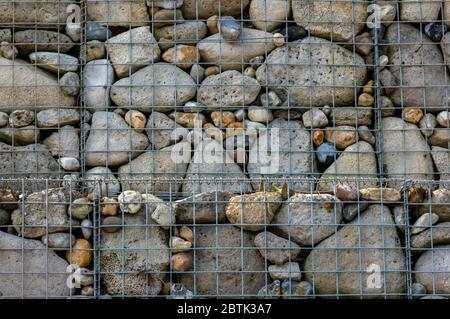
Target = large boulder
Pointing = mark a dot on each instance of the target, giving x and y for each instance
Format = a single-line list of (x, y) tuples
[(349, 262), (133, 260), (356, 167), (30, 161), (226, 263), (29, 270), (432, 269), (118, 13), (140, 173), (313, 72), (49, 14), (417, 62), (22, 85), (291, 153), (406, 154), (110, 143), (230, 55), (308, 219), (159, 87), (209, 162), (41, 213), (339, 21), (203, 9)]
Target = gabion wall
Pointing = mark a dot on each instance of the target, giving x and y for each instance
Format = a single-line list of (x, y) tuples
[(239, 148)]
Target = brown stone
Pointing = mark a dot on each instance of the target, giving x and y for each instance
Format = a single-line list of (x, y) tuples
[(81, 253)]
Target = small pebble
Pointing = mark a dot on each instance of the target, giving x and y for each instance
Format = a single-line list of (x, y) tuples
[(270, 99), (211, 23), (293, 33), (435, 31), (69, 163), (222, 118), (187, 234), (327, 110), (179, 245), (412, 115), (94, 31), (130, 201), (59, 240), (189, 120), (240, 115), (4, 119), (8, 51), (418, 290), (260, 114), (87, 291), (249, 71), (212, 70), (109, 206), (81, 253), (70, 83), (73, 30), (197, 73), (272, 290), (193, 107), (443, 119), (229, 28), (291, 288), (86, 277), (87, 228), (350, 211), (256, 62), (383, 61), (80, 208), (387, 107), (182, 262), (289, 270), (366, 100), (368, 88), (365, 134), (278, 39), (21, 118), (326, 153), (179, 291), (318, 137), (346, 193), (342, 136), (95, 50), (423, 222), (314, 118), (136, 119), (111, 224)]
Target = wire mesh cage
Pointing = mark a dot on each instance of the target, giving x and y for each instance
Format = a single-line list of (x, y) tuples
[(218, 149)]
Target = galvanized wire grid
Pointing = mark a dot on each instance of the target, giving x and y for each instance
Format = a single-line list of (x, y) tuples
[(136, 261)]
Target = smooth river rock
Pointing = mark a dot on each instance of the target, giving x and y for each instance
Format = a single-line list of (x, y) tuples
[(231, 55), (432, 269), (132, 50), (160, 86), (357, 246), (268, 15), (406, 155), (30, 270), (22, 85), (98, 77), (109, 143), (303, 74), (230, 88)]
